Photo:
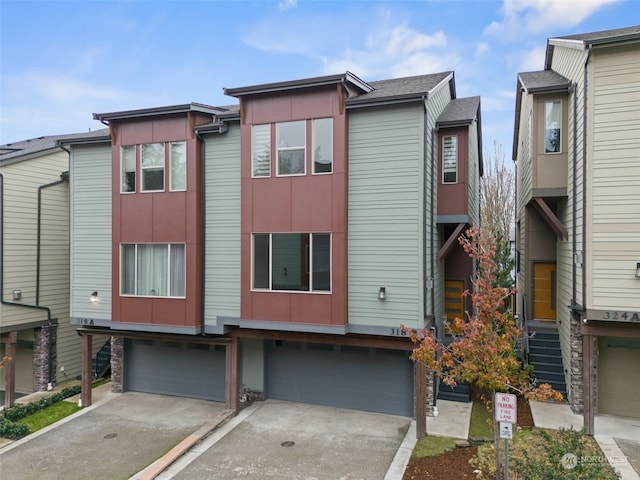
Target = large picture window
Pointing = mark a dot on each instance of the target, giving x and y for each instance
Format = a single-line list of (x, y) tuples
[(152, 166), (322, 145), (261, 150), (552, 126), (128, 169), (450, 159), (153, 270), (178, 162), (292, 262), (291, 148)]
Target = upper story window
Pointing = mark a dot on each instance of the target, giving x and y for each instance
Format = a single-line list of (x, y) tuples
[(153, 270), (261, 150), (291, 148), (128, 169), (552, 126), (152, 167), (450, 159), (153, 161), (299, 262), (178, 170), (322, 145)]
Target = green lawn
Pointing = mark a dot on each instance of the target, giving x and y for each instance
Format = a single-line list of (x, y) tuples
[(430, 445), (49, 415)]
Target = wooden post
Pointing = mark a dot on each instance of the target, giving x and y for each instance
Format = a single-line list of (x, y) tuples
[(421, 399), (10, 367), (587, 383), (87, 375), (232, 364)]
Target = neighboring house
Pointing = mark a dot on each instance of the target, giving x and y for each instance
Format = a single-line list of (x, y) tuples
[(278, 245), (41, 346), (577, 149)]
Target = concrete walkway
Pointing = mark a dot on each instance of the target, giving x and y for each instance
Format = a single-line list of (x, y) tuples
[(618, 437)]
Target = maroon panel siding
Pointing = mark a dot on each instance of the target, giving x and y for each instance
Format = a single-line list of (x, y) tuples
[(453, 198), (310, 203), (160, 217)]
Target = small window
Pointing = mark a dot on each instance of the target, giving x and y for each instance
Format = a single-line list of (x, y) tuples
[(552, 126), (153, 270), (291, 138), (261, 150), (152, 166), (178, 162), (323, 145), (450, 159), (292, 262), (128, 169)]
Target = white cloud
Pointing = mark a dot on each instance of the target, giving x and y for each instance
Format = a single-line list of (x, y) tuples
[(482, 48), (535, 16), (532, 59), (287, 4)]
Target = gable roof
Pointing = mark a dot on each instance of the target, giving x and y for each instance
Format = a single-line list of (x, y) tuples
[(40, 145), (397, 90), (459, 111)]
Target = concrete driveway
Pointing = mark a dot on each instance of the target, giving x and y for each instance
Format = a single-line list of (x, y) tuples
[(112, 439), (286, 440)]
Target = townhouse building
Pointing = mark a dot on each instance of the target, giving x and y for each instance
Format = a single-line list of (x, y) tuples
[(577, 150), (40, 346), (277, 245)]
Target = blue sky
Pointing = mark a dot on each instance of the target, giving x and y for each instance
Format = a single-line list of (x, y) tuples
[(62, 61)]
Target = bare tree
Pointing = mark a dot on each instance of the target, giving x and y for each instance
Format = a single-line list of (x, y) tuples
[(497, 193)]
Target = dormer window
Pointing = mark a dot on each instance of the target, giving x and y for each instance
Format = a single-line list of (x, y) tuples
[(450, 159), (552, 126)]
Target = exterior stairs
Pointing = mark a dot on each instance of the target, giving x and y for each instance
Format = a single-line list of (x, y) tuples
[(545, 355), (461, 392), (101, 363)]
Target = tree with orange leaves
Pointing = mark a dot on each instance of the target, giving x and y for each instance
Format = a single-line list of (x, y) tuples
[(483, 347)]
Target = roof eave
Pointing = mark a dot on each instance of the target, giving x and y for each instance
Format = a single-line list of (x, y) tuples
[(391, 100), (84, 140), (157, 111)]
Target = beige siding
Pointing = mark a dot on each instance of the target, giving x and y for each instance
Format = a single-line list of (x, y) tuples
[(91, 230), (20, 196), (614, 178)]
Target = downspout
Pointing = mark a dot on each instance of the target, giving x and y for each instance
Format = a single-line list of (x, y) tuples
[(574, 195), (425, 184), (434, 183), (203, 224), (584, 183), (50, 326)]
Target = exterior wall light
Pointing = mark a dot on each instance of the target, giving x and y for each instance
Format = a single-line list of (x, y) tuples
[(94, 297), (17, 295), (638, 270), (382, 293)]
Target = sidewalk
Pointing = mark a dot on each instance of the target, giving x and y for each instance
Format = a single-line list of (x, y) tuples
[(618, 437)]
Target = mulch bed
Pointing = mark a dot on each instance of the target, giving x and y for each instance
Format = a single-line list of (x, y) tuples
[(455, 465)]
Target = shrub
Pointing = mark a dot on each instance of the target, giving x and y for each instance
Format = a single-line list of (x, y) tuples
[(9, 429)]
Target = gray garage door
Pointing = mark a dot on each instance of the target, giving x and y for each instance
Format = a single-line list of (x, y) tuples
[(173, 368), (370, 379)]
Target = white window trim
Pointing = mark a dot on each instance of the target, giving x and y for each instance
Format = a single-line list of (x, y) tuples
[(544, 126), (135, 167), (135, 275), (313, 147), (186, 179), (457, 160), (304, 148), (164, 169), (304, 292)]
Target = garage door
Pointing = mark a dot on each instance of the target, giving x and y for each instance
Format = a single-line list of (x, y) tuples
[(362, 378), (173, 368), (619, 376)]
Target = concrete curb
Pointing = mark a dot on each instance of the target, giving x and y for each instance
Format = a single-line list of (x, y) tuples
[(160, 465), (403, 455)]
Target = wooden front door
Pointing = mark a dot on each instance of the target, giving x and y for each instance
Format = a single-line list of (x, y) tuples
[(453, 299), (544, 291)]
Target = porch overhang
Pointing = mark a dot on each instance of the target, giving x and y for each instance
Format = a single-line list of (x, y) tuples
[(445, 250), (549, 217)]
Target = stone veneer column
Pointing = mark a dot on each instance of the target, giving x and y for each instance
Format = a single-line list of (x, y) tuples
[(117, 364), (431, 392), (576, 390), (44, 356)]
